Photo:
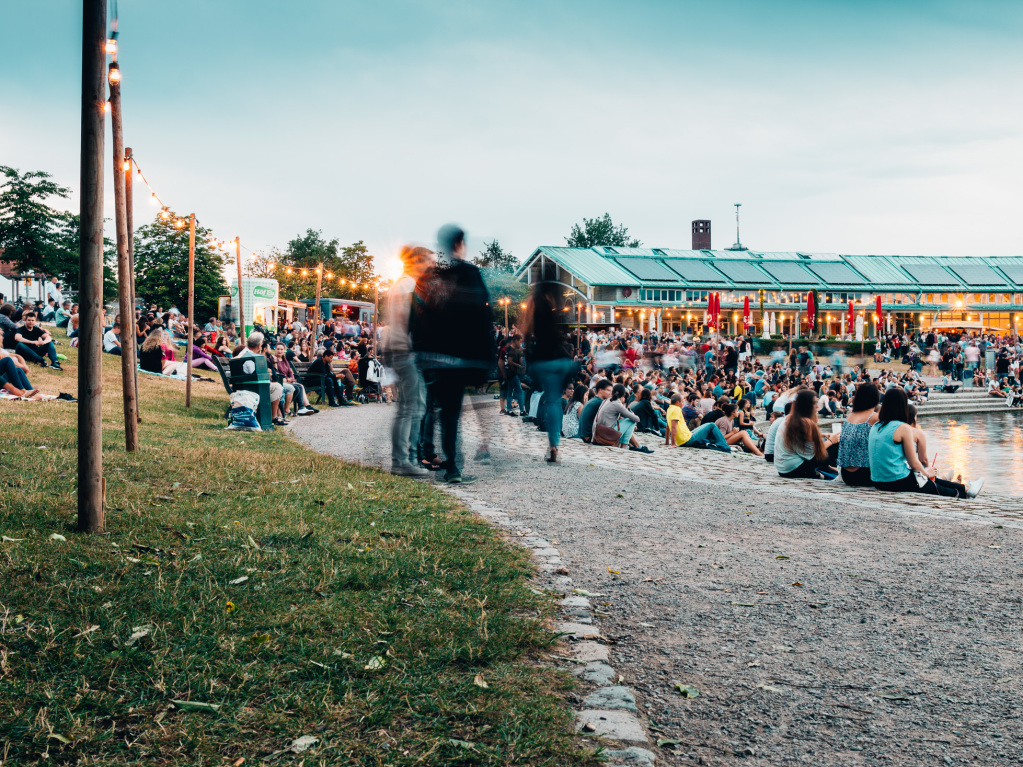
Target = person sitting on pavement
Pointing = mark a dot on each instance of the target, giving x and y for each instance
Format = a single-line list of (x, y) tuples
[(613, 414), (601, 392), (801, 452), (679, 435), (34, 344), (734, 435)]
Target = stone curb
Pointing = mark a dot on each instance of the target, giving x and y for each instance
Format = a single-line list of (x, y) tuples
[(610, 708)]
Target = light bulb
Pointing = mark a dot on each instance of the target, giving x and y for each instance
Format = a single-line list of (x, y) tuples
[(111, 46), (114, 75), (126, 166)]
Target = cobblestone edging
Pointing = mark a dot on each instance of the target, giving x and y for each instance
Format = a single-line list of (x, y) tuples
[(609, 708)]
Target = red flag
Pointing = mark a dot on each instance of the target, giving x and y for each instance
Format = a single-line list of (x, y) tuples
[(880, 315), (745, 312), (810, 310), (850, 320)]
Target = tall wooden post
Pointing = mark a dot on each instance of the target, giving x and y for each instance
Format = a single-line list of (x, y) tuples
[(129, 197), (191, 310), (90, 288), (128, 344), (241, 303), (376, 314), (316, 311)]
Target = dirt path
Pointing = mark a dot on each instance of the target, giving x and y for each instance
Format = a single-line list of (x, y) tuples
[(820, 626)]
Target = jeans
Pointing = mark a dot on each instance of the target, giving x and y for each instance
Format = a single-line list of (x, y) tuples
[(449, 391), (708, 436), (552, 375), (116, 350), (10, 373), (411, 405), (32, 353), (626, 427), (427, 449), (514, 393)]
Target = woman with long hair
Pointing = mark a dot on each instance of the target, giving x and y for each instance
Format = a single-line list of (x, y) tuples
[(570, 424), (895, 464), (801, 450), (615, 415), (853, 453), (732, 434), (549, 358)]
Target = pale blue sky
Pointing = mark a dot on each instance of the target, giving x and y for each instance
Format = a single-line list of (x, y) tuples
[(856, 127)]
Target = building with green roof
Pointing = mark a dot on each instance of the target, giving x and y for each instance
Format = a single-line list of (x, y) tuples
[(666, 290)]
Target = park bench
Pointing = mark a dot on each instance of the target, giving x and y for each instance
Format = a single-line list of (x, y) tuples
[(316, 384)]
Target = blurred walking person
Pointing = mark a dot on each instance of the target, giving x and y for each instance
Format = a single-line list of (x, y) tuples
[(398, 355), (453, 341), (549, 358)]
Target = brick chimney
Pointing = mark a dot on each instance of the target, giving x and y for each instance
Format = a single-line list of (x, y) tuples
[(701, 235)]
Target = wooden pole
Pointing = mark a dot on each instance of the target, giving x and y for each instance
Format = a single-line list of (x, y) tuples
[(128, 345), (191, 310), (90, 260), (241, 303), (316, 313), (129, 216), (376, 313)]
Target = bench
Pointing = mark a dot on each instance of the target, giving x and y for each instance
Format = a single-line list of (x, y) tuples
[(317, 385)]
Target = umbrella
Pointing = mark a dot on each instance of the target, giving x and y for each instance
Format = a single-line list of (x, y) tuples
[(810, 310), (880, 315), (712, 309), (745, 313), (850, 320)]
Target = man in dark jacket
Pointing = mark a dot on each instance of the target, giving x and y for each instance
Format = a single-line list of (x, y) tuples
[(452, 337)]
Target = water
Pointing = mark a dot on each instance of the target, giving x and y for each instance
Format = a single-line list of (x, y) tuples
[(980, 445)]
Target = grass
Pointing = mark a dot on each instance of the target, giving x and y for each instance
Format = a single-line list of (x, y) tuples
[(299, 595)]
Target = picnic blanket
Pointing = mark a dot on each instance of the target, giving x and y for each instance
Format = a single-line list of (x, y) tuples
[(195, 377)]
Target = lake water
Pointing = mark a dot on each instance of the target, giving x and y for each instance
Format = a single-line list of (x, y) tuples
[(980, 445)]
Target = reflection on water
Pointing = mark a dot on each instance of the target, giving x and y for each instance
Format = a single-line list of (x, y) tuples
[(980, 445)]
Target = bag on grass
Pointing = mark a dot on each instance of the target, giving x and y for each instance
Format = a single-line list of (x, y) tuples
[(242, 416)]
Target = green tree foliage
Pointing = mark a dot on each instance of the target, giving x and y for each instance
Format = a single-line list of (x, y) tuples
[(161, 267), (500, 284), (600, 231), (347, 270), (66, 241), (493, 256), (29, 228)]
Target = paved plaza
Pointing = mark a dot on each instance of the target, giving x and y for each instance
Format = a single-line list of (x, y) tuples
[(819, 624)]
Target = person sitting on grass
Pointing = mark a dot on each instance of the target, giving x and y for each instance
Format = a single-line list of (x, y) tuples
[(200, 357), (35, 344), (14, 378), (157, 355), (63, 315), (112, 340)]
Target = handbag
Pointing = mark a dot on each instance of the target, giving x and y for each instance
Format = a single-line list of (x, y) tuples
[(605, 435)]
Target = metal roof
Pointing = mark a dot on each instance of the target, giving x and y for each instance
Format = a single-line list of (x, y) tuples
[(783, 270)]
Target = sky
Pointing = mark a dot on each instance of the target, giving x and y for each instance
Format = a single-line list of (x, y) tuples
[(841, 126)]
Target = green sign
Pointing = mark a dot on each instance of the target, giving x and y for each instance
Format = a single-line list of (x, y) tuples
[(234, 290), (263, 292)]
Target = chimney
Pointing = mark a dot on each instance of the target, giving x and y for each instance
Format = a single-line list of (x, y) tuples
[(701, 235)]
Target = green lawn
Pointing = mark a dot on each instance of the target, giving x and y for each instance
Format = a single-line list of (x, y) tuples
[(298, 595)]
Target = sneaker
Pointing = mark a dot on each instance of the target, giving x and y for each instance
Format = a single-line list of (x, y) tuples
[(482, 456), (973, 490), (407, 470), (640, 449), (65, 397), (305, 411), (311, 409), (457, 478), (56, 366)]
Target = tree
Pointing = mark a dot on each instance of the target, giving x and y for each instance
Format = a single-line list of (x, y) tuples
[(347, 270), (493, 256), (600, 231), (68, 271), (28, 226), (264, 264), (500, 284), (161, 267)]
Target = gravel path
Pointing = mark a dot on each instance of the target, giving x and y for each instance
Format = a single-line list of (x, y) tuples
[(821, 626)]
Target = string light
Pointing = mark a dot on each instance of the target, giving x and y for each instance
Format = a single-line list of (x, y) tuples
[(111, 46), (114, 75)]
